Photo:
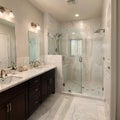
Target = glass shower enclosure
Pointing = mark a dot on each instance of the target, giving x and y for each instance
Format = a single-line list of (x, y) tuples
[(82, 60), (73, 84)]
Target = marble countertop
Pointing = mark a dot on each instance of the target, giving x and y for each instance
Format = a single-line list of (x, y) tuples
[(24, 76)]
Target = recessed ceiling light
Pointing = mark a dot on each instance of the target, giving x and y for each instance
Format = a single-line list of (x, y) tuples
[(73, 33), (76, 15)]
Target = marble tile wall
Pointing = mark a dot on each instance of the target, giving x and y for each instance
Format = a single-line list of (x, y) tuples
[(107, 54)]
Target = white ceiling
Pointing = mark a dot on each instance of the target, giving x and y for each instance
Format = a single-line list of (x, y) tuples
[(63, 11)]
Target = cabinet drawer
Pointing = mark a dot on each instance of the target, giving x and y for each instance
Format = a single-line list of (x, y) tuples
[(34, 88), (34, 82), (52, 73), (34, 97), (33, 103), (34, 94)]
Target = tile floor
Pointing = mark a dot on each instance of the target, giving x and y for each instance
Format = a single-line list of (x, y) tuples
[(73, 85), (92, 88), (65, 107)]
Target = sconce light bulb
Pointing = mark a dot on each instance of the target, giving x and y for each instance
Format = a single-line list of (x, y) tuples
[(76, 15), (1, 13), (11, 15), (38, 27), (35, 26), (73, 33)]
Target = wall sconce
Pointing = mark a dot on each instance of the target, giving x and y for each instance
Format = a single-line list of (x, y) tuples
[(35, 26), (6, 11), (2, 10)]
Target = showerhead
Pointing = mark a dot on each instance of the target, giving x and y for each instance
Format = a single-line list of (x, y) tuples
[(100, 30), (58, 35), (71, 1)]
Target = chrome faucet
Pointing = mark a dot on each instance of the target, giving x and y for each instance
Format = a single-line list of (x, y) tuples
[(2, 73), (36, 63)]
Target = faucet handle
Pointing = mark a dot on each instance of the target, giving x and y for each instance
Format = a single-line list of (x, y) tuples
[(3, 73), (36, 63)]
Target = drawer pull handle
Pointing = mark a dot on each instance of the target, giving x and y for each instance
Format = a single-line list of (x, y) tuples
[(7, 107), (36, 102), (10, 107), (36, 89), (36, 81)]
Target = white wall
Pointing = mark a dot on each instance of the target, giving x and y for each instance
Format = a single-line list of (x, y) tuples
[(25, 13)]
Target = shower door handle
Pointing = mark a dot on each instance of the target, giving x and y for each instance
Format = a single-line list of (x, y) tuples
[(80, 59)]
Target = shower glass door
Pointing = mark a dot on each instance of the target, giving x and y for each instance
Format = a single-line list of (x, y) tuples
[(74, 83)]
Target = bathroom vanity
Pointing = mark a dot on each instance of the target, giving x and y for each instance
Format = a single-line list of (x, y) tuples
[(20, 99)]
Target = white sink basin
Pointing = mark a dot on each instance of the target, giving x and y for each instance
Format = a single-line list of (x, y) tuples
[(9, 79)]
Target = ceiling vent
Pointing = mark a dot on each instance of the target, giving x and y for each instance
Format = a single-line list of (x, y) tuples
[(71, 1)]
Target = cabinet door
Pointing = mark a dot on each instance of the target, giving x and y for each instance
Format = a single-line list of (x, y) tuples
[(34, 97), (18, 107), (52, 76), (33, 104), (51, 82), (3, 112), (44, 79)]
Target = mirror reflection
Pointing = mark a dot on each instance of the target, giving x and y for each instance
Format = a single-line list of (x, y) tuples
[(7, 44), (34, 46), (54, 43)]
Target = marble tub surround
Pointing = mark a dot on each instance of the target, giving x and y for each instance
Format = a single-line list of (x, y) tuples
[(24, 76), (65, 107)]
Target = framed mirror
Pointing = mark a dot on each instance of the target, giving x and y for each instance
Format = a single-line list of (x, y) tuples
[(7, 44), (34, 46)]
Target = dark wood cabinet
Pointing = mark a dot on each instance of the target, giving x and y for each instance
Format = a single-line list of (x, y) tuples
[(47, 83), (34, 96), (18, 107), (19, 102), (51, 82), (13, 103), (44, 78), (3, 112)]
